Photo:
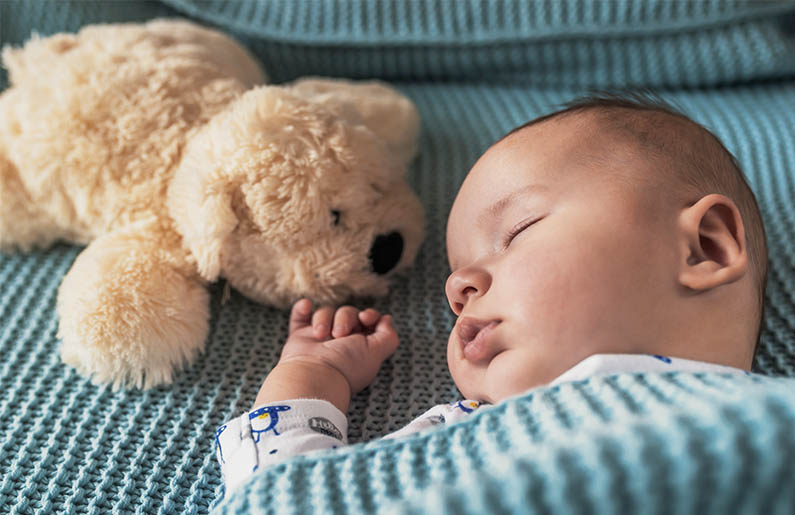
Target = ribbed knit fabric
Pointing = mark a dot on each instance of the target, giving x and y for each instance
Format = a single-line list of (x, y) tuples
[(631, 443), (73, 447), (541, 43), (574, 43)]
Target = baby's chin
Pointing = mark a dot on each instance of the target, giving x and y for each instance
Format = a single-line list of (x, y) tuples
[(496, 397), (488, 383), (469, 390), (477, 392), (498, 393), (476, 388)]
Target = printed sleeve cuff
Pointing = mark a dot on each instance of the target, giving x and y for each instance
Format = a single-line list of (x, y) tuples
[(319, 415), (275, 431)]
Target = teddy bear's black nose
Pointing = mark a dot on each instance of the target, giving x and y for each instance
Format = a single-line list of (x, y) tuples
[(385, 252)]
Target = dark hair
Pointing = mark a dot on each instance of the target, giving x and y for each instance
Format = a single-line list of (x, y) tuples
[(697, 161)]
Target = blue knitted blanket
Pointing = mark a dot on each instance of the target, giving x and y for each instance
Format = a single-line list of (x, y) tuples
[(628, 443), (632, 443)]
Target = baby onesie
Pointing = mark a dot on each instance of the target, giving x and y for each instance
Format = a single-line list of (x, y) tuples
[(276, 431)]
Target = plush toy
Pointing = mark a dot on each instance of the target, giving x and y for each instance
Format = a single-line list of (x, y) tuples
[(159, 147)]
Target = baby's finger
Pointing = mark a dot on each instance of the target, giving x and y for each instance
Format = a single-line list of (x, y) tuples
[(300, 315), (369, 317), (385, 338), (346, 321), (321, 322)]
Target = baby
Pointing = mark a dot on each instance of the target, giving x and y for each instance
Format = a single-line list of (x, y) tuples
[(614, 235)]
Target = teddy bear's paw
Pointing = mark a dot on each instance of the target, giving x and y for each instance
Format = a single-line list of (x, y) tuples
[(127, 347), (129, 318), (118, 373)]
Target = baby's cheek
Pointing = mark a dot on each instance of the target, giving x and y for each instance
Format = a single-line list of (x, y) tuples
[(461, 372), (514, 372), (507, 376), (452, 362)]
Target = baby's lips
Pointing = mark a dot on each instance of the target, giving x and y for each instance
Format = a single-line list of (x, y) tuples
[(479, 348), (469, 327), (467, 333)]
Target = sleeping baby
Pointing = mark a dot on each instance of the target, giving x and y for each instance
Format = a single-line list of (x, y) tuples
[(615, 235)]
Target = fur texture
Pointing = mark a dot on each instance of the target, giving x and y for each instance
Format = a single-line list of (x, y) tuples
[(159, 146)]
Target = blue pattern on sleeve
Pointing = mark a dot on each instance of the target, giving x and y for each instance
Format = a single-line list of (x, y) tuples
[(469, 408), (218, 442), (265, 412)]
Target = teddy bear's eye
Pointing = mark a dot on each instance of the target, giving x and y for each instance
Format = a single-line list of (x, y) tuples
[(377, 188), (335, 214)]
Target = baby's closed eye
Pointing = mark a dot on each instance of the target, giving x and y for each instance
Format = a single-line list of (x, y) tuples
[(518, 228)]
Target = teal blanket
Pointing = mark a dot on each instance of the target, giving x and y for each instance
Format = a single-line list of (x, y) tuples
[(629, 443), (662, 443)]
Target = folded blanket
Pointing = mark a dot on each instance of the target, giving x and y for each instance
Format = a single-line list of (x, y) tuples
[(675, 442), (540, 43)]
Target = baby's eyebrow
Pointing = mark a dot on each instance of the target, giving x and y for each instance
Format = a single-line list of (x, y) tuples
[(496, 209)]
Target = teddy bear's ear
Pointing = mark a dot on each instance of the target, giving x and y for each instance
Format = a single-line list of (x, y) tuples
[(383, 110), (201, 206), (26, 65)]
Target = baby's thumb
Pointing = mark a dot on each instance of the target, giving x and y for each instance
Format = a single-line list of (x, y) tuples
[(384, 338)]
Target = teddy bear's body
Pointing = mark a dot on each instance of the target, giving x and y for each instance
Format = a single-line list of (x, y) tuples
[(97, 169), (156, 146)]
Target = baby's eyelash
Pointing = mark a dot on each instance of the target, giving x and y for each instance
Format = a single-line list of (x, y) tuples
[(521, 226)]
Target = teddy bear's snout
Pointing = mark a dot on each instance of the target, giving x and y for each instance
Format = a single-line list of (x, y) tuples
[(386, 252)]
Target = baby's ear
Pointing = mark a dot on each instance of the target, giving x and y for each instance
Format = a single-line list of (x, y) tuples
[(712, 243), (201, 205), (387, 113)]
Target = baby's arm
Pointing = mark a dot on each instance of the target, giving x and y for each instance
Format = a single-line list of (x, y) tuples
[(302, 403), (329, 356)]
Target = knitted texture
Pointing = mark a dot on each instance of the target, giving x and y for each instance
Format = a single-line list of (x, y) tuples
[(629, 443), (73, 447), (544, 43)]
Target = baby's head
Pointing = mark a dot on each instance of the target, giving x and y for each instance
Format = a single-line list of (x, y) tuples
[(613, 226)]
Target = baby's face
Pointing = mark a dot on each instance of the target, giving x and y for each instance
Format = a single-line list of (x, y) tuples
[(585, 273)]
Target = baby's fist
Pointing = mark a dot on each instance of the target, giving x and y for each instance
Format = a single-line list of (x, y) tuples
[(330, 323), (353, 342)]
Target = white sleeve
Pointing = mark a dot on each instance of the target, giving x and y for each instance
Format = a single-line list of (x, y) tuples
[(439, 414), (274, 432)]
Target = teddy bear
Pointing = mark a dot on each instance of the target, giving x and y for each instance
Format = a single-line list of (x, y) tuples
[(161, 147)]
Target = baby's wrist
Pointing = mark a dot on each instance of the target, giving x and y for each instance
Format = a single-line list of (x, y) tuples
[(305, 378)]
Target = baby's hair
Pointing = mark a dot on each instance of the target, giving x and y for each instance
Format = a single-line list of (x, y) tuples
[(696, 159)]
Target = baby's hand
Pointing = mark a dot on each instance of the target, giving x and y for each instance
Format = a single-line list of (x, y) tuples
[(353, 342)]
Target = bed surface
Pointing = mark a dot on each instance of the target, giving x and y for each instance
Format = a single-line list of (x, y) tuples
[(74, 447)]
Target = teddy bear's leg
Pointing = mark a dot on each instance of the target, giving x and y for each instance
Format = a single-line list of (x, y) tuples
[(22, 225), (129, 313)]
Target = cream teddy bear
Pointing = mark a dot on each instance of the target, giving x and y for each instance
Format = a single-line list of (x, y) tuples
[(158, 146)]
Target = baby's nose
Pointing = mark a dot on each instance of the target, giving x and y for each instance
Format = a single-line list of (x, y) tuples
[(386, 252), (465, 283)]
